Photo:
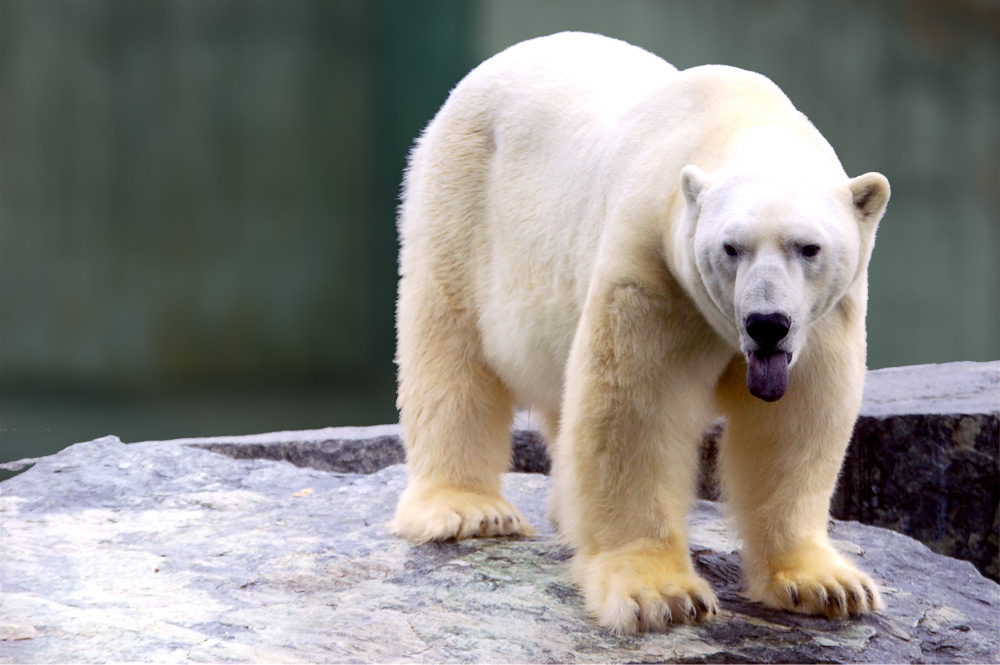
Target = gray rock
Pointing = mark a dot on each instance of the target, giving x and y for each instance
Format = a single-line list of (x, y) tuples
[(946, 389), (167, 552), (925, 459), (342, 449)]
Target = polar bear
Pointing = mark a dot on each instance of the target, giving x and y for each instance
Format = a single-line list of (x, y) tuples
[(631, 250)]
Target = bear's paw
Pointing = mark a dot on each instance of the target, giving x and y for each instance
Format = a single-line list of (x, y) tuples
[(818, 582), (443, 513), (643, 588)]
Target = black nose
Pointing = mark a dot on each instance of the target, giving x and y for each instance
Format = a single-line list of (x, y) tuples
[(767, 329)]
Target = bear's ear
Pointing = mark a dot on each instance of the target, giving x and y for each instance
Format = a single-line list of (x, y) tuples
[(693, 182), (870, 193)]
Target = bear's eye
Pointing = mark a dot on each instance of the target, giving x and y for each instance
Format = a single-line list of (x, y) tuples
[(810, 251), (730, 250)]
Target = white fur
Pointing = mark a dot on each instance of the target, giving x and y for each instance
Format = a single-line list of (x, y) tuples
[(564, 230)]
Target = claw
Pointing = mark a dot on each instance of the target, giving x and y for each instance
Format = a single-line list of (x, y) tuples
[(837, 603), (794, 594)]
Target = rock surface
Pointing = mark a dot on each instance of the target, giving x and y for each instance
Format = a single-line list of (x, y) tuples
[(924, 460), (166, 552)]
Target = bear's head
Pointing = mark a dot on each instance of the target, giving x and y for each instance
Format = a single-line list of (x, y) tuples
[(774, 249)]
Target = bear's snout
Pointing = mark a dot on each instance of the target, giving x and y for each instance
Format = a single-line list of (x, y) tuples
[(767, 329)]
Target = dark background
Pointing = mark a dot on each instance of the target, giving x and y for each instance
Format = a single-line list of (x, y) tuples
[(197, 198)]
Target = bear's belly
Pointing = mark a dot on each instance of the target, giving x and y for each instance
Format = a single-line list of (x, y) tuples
[(527, 344)]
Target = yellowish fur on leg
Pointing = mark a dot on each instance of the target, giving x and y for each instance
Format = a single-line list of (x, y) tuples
[(442, 513), (814, 580), (645, 586)]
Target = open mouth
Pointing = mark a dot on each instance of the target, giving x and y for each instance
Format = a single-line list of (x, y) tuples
[(767, 373)]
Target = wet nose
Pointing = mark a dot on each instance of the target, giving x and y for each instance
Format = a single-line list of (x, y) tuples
[(767, 329)]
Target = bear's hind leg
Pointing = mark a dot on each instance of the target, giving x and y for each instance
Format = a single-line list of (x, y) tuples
[(456, 417)]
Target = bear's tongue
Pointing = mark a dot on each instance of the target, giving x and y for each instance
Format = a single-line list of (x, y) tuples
[(767, 374)]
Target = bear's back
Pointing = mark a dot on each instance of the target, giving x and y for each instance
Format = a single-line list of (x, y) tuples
[(539, 109), (575, 70)]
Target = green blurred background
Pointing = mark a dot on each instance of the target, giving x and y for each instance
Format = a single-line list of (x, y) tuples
[(197, 197)]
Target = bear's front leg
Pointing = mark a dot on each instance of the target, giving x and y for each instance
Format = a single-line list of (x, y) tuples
[(779, 464), (638, 391)]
